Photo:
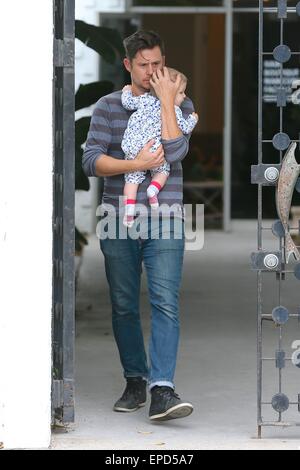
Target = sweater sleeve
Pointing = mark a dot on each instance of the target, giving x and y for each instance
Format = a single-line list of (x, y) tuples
[(98, 138), (176, 149)]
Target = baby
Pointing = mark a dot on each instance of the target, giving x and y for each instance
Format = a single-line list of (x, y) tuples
[(145, 125)]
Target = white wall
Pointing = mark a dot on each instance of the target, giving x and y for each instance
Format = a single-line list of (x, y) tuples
[(25, 223)]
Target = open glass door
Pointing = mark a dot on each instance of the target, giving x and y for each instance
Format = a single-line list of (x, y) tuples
[(203, 51), (199, 51)]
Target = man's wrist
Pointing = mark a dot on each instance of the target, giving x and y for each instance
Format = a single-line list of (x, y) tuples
[(134, 165), (167, 103)]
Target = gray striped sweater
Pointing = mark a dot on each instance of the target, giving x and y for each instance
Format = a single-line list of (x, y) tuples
[(108, 124)]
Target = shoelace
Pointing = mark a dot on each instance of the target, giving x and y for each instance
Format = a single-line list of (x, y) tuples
[(167, 392)]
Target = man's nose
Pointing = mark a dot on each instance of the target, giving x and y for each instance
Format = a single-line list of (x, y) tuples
[(150, 69)]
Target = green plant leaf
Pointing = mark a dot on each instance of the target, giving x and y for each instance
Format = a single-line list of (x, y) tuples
[(82, 126), (80, 241), (81, 180), (80, 237), (81, 129), (106, 41), (114, 38), (88, 94)]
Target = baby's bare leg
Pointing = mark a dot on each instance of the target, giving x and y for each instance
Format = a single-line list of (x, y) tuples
[(161, 178), (130, 190)]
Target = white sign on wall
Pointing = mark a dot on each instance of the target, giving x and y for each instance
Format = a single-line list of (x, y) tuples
[(272, 80)]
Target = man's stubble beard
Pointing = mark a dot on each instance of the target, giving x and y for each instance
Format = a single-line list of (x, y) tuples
[(140, 87)]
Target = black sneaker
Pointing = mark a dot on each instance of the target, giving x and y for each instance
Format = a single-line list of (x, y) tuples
[(166, 404), (134, 395)]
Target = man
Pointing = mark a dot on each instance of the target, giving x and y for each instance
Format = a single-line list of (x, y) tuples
[(162, 258)]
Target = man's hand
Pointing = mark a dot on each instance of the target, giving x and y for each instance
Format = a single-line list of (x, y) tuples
[(165, 89), (147, 160)]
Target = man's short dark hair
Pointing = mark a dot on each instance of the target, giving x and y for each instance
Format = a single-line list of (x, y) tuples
[(142, 40)]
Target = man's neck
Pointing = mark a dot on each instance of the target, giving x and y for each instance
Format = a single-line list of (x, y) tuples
[(136, 91)]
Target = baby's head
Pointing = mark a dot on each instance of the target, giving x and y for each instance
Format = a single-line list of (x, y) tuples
[(183, 83), (181, 91)]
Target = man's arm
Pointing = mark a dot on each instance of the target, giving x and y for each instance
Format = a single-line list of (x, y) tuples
[(109, 166), (177, 149), (98, 139), (166, 90), (146, 160), (169, 125), (96, 162), (176, 145)]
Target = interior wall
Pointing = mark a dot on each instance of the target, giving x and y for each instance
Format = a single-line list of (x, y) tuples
[(198, 51), (179, 41), (200, 69), (215, 72)]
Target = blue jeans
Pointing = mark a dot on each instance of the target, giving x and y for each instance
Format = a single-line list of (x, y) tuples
[(163, 260)]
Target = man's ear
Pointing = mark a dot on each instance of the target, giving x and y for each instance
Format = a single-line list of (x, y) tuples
[(127, 64), (164, 60)]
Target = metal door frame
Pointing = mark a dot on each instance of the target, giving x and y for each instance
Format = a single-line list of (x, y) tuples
[(63, 306), (279, 402)]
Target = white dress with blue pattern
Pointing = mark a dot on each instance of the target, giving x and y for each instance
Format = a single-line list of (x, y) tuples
[(145, 125)]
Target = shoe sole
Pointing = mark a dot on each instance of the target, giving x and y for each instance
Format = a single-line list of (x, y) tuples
[(177, 411), (128, 410)]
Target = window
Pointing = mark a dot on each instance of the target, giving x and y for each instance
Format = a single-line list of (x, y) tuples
[(177, 3), (255, 3), (244, 106)]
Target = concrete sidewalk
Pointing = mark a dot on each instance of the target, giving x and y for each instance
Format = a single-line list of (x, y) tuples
[(216, 363)]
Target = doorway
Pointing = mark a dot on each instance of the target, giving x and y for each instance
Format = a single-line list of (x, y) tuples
[(213, 80), (199, 52)]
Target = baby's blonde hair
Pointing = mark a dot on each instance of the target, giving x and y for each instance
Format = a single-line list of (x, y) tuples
[(173, 75)]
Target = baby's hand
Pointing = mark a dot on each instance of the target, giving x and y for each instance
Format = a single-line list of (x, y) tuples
[(127, 88), (195, 115)]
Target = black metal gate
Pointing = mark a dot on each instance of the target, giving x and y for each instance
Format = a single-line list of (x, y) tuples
[(63, 213), (272, 263)]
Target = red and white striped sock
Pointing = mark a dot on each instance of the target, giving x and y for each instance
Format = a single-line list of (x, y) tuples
[(152, 192), (153, 189), (128, 219)]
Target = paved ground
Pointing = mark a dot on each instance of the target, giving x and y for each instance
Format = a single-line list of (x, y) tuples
[(216, 364)]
